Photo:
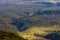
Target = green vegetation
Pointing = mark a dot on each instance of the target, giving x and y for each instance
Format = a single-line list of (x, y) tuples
[(4, 35)]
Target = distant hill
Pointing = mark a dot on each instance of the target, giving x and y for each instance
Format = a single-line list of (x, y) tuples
[(48, 4), (23, 16)]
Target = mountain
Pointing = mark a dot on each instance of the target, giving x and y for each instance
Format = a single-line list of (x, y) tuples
[(34, 0), (27, 17), (40, 33), (45, 3), (32, 14), (27, 1)]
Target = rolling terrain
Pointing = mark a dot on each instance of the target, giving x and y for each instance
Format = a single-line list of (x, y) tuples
[(33, 21)]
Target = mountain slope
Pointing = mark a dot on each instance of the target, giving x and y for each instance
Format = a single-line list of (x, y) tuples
[(9, 36), (39, 32)]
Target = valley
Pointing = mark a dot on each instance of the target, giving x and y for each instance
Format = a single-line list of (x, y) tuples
[(36, 21)]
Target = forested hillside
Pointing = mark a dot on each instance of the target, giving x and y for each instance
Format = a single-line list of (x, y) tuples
[(5, 35)]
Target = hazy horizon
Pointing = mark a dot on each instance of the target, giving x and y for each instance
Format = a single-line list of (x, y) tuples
[(53, 1)]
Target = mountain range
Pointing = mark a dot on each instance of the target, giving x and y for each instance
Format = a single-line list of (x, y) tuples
[(26, 17)]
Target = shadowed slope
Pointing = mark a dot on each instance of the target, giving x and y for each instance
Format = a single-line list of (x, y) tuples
[(9, 36)]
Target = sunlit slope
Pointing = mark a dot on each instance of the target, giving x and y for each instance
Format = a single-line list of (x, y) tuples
[(30, 37), (41, 31)]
